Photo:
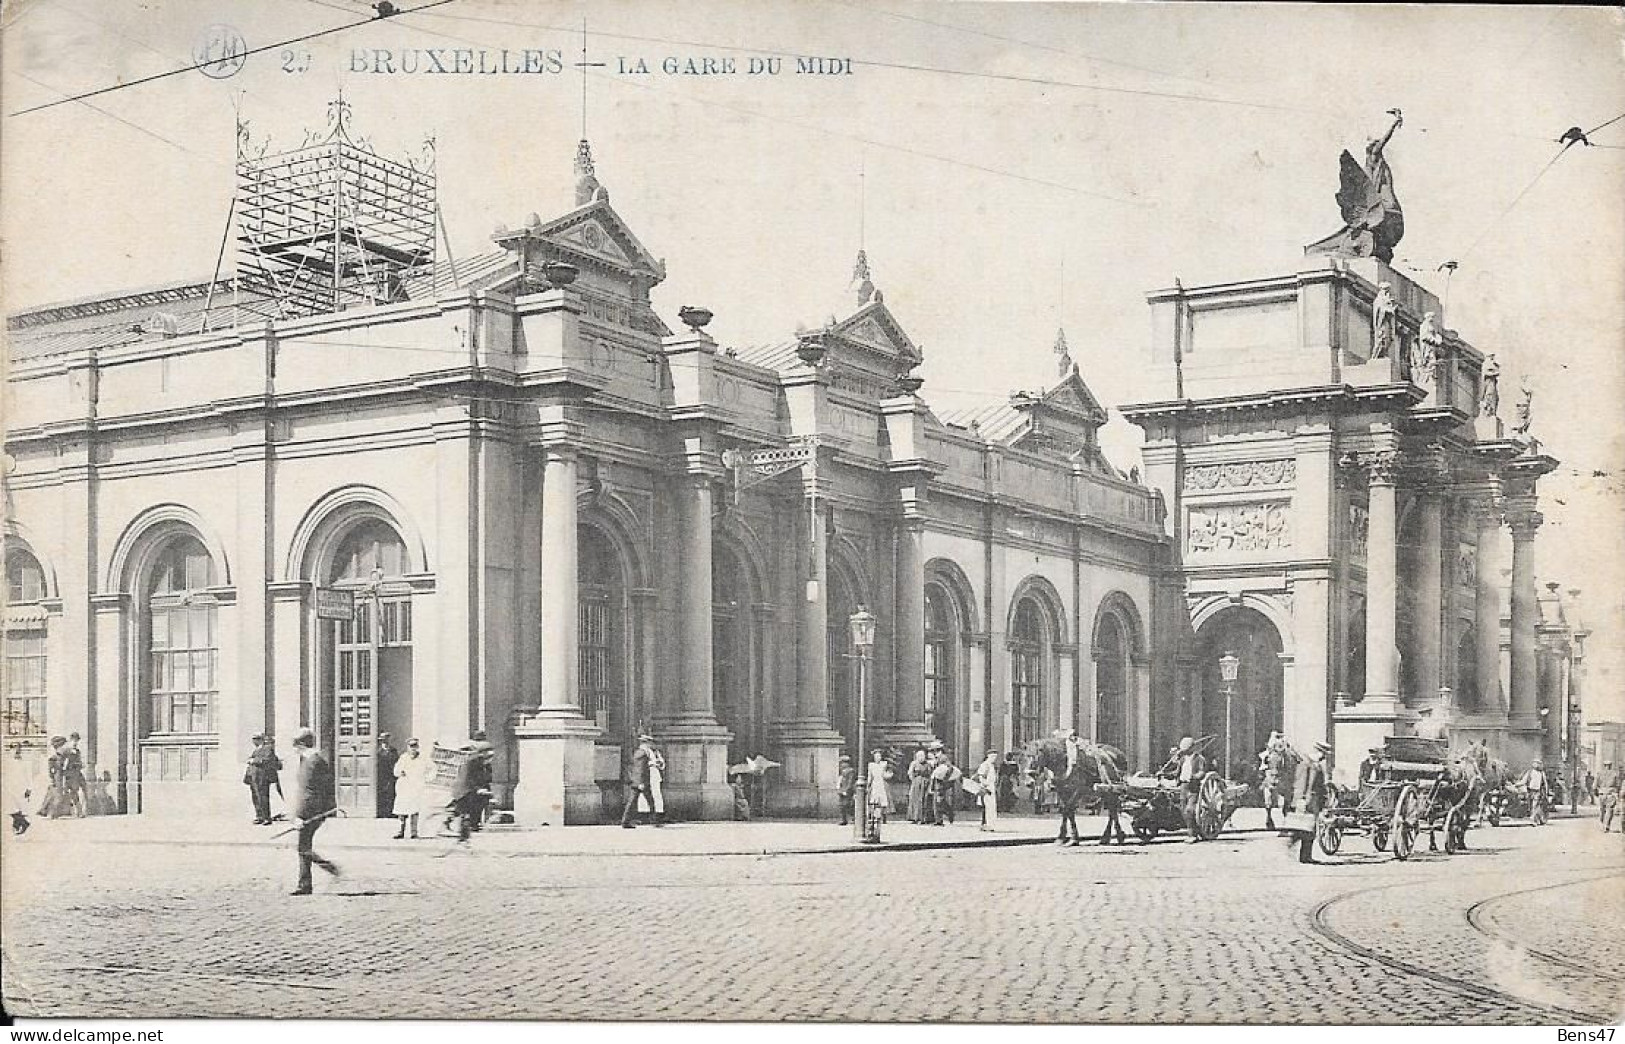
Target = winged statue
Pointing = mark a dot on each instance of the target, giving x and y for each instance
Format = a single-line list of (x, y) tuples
[(1373, 223)]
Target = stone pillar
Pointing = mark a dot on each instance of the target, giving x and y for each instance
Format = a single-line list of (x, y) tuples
[(811, 748), (1381, 583), (908, 727), (694, 742), (1524, 715), (1487, 614), (554, 741), (1428, 594), (1308, 679)]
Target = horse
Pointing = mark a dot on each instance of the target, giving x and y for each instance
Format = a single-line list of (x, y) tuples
[(1492, 774), (1280, 763), (1073, 787)]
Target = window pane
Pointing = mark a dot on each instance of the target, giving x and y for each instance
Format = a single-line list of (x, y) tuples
[(363, 669), (160, 629), (346, 670)]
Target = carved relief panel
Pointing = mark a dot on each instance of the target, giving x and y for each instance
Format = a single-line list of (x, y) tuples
[(1243, 474), (1227, 529)]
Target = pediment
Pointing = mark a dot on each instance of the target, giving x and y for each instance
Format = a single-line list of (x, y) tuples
[(596, 231), (874, 327), (1073, 397)]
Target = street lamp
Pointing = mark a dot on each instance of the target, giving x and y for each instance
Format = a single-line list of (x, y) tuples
[(1572, 751), (1229, 667), (863, 639)]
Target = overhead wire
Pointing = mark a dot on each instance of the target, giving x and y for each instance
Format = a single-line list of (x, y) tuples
[(305, 38)]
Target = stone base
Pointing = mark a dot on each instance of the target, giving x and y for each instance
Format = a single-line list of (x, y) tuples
[(1524, 742), (1488, 429), (695, 785), (556, 768), (811, 752), (1359, 726)]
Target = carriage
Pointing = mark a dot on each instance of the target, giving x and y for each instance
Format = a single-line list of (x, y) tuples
[(1155, 804), (1411, 789)]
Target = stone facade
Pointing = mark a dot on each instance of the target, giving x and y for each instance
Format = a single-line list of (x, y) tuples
[(561, 523), (1338, 511)]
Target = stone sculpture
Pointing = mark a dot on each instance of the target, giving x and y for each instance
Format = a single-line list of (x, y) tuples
[(1384, 322), (1489, 396), (1373, 223)]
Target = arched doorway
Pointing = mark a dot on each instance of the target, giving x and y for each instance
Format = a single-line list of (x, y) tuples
[(843, 658), (367, 675), (1036, 626), (1255, 707), (942, 681), (1111, 682), (1468, 694), (601, 639), (736, 691)]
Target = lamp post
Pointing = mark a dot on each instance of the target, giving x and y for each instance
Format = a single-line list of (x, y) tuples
[(1229, 667), (863, 639), (1571, 751)]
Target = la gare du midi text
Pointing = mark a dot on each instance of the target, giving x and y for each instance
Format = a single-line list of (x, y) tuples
[(474, 61)]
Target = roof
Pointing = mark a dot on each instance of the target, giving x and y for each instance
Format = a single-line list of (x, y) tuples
[(994, 422)]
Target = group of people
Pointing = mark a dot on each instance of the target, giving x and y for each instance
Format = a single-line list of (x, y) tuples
[(67, 791), (645, 786), (934, 783)]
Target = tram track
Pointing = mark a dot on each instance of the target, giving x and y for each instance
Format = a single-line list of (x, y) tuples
[(1475, 917), (1320, 925)]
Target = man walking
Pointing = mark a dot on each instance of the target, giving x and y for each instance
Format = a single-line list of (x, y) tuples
[(945, 788), (73, 777), (637, 779), (1188, 766), (263, 766), (317, 801)]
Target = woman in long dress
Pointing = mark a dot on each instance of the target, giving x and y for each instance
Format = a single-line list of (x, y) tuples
[(919, 777), (411, 774), (987, 774), (879, 791)]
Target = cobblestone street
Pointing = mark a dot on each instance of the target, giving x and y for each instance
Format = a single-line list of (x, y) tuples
[(1521, 929)]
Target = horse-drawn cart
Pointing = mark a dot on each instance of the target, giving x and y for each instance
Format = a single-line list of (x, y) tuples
[(1412, 788), (1155, 804)]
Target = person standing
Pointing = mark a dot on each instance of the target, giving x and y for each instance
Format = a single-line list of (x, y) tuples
[(317, 799), (637, 779), (879, 772), (411, 776), (263, 766), (919, 781), (655, 801), (988, 775), (480, 766), (944, 788), (55, 803), (1314, 778), (74, 789), (846, 786), (386, 757)]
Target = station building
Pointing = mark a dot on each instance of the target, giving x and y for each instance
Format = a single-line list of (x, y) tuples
[(506, 496)]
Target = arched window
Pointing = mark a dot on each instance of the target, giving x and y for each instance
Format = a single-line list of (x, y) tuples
[(1468, 694), (941, 645), (731, 652), (182, 643), (23, 679), (1111, 682), (370, 546), (25, 580), (601, 633), (1029, 641)]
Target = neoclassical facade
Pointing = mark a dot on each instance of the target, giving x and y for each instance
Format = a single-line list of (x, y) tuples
[(1340, 486), (544, 514)]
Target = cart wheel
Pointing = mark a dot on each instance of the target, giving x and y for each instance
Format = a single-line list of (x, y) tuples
[(1407, 821), (1210, 807), (1328, 834), (1492, 812), (1379, 838)]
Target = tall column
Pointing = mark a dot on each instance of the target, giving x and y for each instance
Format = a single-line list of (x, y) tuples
[(1428, 594), (1381, 580), (1523, 521), (560, 673), (908, 726), (694, 609), (1487, 613), (812, 621), (555, 743)]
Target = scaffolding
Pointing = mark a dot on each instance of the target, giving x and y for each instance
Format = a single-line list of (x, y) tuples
[(330, 225)]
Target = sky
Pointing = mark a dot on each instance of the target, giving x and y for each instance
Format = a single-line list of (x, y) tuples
[(1009, 168)]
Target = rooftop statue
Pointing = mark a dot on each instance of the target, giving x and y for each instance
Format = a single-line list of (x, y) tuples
[(1373, 223)]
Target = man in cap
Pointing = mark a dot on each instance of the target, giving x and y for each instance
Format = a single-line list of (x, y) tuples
[(317, 800), (1536, 784), (637, 778), (385, 759), (1369, 765), (73, 777), (1313, 786), (846, 786)]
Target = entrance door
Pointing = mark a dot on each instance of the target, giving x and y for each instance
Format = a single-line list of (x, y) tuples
[(355, 694)]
